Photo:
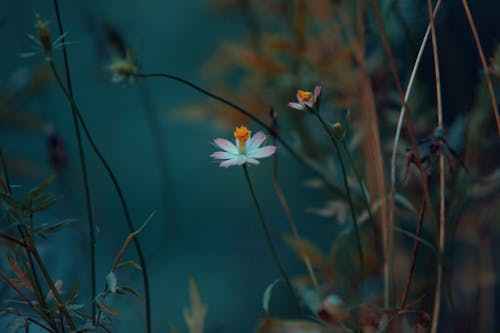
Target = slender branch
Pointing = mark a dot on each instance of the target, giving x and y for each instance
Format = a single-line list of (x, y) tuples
[(121, 197), (441, 230), (332, 187), (52, 287), (483, 63), (16, 289), (83, 166), (416, 244), (366, 201), (12, 239), (347, 190), (270, 242), (31, 320)]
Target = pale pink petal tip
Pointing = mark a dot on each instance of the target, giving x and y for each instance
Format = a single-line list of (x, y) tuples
[(235, 161), (221, 155), (226, 145), (256, 140), (317, 91), (263, 152), (296, 106)]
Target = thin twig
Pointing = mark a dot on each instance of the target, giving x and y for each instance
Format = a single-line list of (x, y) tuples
[(441, 231), (416, 244), (12, 239), (83, 165), (19, 292), (34, 321), (483, 63)]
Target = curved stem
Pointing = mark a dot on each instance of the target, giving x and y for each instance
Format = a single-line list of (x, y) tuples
[(347, 190), (83, 166), (441, 230), (52, 287), (269, 240), (414, 257), (366, 201), (331, 187), (118, 191)]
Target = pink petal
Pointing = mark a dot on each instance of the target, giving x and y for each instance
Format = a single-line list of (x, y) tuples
[(226, 145), (317, 91), (234, 161), (255, 141), (262, 152), (222, 155), (296, 106), (252, 161)]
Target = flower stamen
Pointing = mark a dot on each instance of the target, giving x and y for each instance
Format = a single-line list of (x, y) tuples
[(242, 134), (304, 96)]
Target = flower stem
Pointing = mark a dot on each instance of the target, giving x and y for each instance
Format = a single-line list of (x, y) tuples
[(366, 202), (123, 203), (329, 184), (83, 167), (269, 240), (347, 190)]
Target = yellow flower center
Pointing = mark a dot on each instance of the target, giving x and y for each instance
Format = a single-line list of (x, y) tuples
[(242, 134), (304, 95)]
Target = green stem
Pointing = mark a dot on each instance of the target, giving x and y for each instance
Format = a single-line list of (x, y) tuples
[(329, 184), (118, 191), (83, 167), (52, 287), (347, 190), (269, 240), (366, 202)]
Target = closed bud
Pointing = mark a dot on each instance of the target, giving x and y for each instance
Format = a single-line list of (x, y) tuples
[(338, 131)]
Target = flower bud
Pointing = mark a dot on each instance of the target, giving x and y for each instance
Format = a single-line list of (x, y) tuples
[(338, 131)]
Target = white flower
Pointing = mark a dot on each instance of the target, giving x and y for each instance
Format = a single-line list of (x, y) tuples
[(246, 149), (306, 100)]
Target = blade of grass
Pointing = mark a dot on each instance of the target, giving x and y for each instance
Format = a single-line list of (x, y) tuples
[(441, 230)]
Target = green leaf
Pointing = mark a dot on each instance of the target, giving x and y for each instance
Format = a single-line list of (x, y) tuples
[(131, 291), (57, 227), (105, 307), (129, 263), (74, 292), (46, 201), (267, 295), (35, 191)]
